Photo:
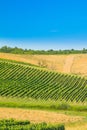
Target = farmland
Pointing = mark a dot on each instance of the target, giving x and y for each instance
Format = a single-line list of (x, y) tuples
[(43, 65), (72, 64), (29, 82), (26, 125), (24, 85)]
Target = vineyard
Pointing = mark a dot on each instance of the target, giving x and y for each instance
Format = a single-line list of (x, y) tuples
[(26, 125), (24, 81)]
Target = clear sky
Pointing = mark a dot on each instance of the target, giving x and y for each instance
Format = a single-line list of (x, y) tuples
[(43, 24)]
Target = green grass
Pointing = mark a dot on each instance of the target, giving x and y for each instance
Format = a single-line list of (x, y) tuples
[(41, 104)]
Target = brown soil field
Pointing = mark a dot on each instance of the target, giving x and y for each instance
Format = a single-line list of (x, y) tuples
[(37, 116), (73, 64), (77, 127)]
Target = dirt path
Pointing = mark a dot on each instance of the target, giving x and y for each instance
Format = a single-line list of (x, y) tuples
[(68, 63), (36, 116)]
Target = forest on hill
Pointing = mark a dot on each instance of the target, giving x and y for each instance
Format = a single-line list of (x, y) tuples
[(16, 50)]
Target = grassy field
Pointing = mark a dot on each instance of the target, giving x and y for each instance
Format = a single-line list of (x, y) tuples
[(74, 64), (50, 105)]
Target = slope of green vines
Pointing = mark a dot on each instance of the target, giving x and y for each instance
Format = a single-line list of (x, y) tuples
[(18, 80)]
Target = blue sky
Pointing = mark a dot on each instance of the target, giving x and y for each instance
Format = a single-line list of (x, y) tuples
[(43, 24)]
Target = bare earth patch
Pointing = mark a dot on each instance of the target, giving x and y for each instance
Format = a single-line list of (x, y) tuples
[(68, 63), (74, 63), (77, 127), (36, 116)]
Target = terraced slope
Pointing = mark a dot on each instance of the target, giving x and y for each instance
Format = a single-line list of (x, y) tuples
[(18, 80)]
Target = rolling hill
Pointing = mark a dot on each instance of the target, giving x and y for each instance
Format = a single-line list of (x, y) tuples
[(25, 81), (71, 64)]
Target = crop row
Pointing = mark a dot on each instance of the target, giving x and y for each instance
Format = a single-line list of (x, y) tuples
[(17, 80), (26, 125)]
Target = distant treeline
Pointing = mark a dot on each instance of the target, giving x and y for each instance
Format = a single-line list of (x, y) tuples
[(17, 50)]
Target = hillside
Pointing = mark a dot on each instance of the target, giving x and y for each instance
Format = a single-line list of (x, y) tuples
[(18, 80), (73, 64), (24, 85)]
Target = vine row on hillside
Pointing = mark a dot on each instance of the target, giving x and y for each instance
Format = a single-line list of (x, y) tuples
[(17, 80)]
